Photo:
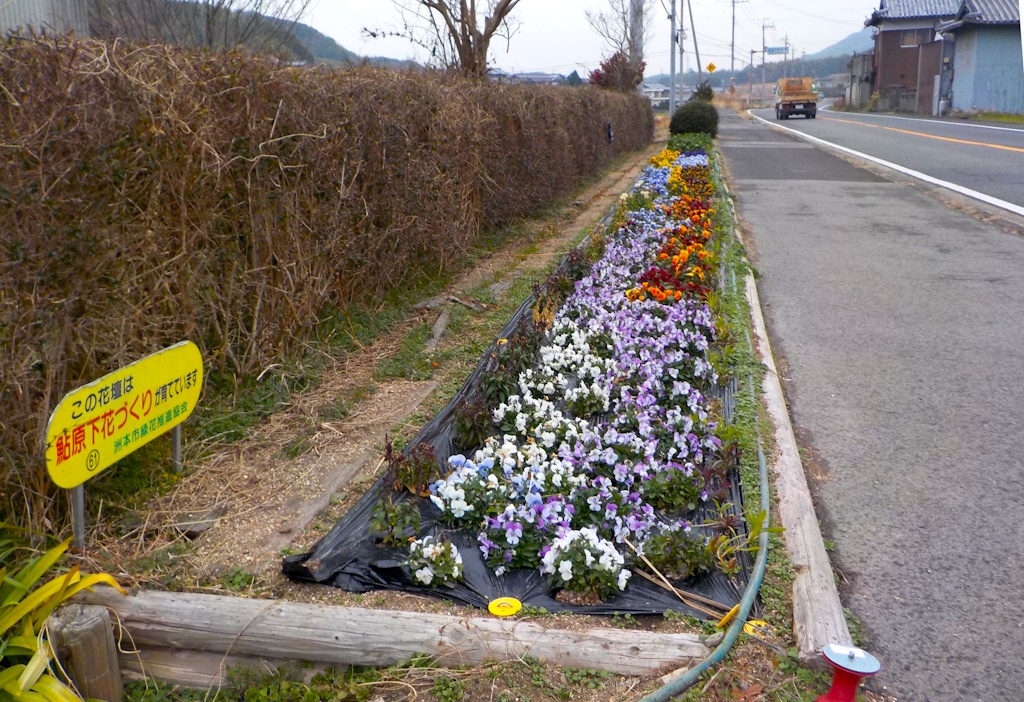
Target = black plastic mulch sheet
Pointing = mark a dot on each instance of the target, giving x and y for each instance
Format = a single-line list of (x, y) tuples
[(348, 558)]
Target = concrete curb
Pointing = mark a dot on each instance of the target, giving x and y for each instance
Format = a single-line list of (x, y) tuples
[(818, 617)]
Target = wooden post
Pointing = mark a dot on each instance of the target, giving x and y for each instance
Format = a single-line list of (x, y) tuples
[(84, 641)]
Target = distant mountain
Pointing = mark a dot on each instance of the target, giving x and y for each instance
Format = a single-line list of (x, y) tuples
[(326, 49), (858, 42), (212, 25)]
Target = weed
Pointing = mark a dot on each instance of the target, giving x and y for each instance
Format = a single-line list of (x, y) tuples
[(471, 422), (538, 676), (237, 579), (409, 361), (857, 633), (154, 691), (447, 690), (413, 472), (334, 411), (625, 621), (394, 521), (708, 627), (584, 677), (300, 444)]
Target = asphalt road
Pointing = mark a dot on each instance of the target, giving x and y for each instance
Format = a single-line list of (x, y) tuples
[(983, 157), (900, 323)]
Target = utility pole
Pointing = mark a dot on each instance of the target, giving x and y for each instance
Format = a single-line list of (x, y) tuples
[(803, 59), (764, 49), (750, 72), (732, 45), (696, 51), (672, 60), (785, 64)]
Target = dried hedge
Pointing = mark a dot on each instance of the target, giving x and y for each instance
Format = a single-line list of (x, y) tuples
[(150, 194)]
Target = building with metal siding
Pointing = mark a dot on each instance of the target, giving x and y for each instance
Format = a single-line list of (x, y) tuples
[(988, 69), (50, 15)]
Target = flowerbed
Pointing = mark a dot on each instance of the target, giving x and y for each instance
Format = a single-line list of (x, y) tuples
[(591, 445)]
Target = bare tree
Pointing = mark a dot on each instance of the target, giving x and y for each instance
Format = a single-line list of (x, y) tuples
[(457, 34), (624, 26)]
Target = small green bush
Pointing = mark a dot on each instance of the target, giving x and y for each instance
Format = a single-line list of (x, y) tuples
[(704, 92), (695, 116), (691, 142)]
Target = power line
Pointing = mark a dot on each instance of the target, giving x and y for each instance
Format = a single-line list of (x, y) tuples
[(804, 13)]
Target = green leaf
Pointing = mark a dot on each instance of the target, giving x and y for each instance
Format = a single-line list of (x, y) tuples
[(34, 669), (36, 568), (35, 599), (54, 690)]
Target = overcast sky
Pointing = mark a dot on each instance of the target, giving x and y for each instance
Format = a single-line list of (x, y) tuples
[(554, 35)]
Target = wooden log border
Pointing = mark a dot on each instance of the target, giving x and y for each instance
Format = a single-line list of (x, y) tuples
[(201, 627)]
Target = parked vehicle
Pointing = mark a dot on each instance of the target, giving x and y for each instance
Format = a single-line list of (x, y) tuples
[(796, 96)]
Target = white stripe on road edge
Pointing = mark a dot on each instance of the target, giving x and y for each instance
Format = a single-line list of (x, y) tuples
[(920, 119), (1003, 204)]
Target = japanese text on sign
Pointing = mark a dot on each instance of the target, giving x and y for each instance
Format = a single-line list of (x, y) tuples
[(107, 419)]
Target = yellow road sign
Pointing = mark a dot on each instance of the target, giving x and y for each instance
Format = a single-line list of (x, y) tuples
[(99, 423), (711, 68)]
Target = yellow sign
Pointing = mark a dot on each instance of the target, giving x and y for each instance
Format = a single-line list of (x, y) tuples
[(711, 68), (99, 423)]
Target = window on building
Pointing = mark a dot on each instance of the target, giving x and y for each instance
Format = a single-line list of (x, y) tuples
[(916, 37)]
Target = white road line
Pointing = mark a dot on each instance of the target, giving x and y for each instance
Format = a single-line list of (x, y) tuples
[(929, 121), (1009, 206)]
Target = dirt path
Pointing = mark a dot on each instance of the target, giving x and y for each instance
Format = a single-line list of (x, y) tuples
[(251, 503)]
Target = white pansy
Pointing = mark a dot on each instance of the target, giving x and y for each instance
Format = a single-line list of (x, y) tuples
[(425, 575)]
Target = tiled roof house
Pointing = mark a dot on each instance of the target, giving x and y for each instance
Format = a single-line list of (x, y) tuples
[(909, 54)]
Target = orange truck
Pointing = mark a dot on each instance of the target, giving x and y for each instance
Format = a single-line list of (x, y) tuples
[(795, 96)]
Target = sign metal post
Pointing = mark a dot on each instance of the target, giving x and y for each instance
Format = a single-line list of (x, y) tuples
[(78, 515), (176, 448)]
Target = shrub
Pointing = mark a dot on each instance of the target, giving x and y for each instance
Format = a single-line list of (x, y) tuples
[(704, 92), (695, 116)]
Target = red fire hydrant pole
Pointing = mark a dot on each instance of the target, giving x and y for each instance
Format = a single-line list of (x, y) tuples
[(850, 665)]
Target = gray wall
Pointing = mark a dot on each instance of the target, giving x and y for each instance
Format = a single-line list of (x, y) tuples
[(988, 73), (52, 15)]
